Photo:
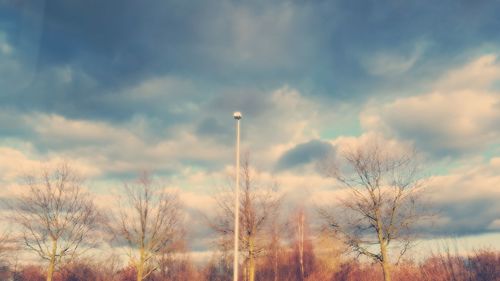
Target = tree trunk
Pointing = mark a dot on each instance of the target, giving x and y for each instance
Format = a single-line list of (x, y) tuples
[(276, 262), (251, 260), (52, 262), (301, 246), (245, 271), (383, 247), (385, 262), (140, 266)]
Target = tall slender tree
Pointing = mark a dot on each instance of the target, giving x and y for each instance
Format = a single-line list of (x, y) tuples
[(258, 205), (7, 246), (382, 204), (302, 245), (150, 222), (276, 245), (57, 217)]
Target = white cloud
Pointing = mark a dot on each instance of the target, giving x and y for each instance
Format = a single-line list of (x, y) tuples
[(468, 183), (5, 48), (480, 73), (461, 115), (259, 39), (390, 63), (289, 119), (346, 143), (166, 93), (495, 225), (285, 118), (56, 128), (258, 33), (64, 74), (15, 163), (114, 148), (467, 198)]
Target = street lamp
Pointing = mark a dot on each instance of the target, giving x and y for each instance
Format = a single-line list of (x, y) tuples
[(237, 117)]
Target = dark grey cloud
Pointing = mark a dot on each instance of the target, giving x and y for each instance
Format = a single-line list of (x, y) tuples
[(304, 153), (317, 46), (444, 123), (211, 127), (136, 40), (465, 217)]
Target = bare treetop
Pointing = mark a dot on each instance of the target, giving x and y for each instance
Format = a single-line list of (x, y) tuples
[(258, 205), (150, 222), (56, 216), (382, 205)]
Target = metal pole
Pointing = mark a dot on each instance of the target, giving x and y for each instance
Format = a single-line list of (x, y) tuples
[(237, 116)]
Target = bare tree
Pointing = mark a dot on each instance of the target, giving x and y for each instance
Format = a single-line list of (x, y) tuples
[(302, 244), (258, 205), (276, 247), (150, 222), (8, 246), (382, 204), (57, 218)]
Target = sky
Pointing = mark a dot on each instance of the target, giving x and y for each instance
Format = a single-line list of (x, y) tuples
[(117, 87)]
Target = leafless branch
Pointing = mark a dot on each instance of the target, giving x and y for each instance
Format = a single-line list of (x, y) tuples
[(56, 216), (150, 221), (382, 205)]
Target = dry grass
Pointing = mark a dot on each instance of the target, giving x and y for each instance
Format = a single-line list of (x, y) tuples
[(482, 265)]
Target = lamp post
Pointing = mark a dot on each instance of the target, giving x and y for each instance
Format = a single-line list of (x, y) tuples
[(237, 117)]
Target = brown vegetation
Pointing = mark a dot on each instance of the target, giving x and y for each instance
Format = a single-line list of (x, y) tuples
[(482, 265), (55, 212)]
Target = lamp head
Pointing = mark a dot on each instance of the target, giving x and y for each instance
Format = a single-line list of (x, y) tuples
[(237, 115)]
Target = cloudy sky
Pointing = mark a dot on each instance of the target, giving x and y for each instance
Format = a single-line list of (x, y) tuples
[(120, 86)]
